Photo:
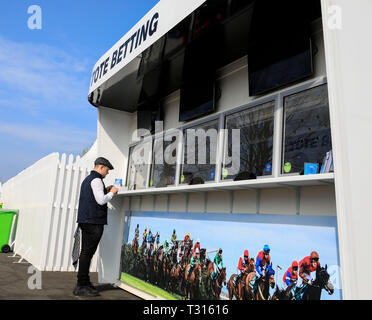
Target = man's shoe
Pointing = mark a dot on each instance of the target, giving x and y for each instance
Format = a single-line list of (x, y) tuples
[(93, 288), (85, 291)]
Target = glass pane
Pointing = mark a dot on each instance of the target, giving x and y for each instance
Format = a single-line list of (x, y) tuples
[(163, 169), (307, 134), (177, 37), (200, 153), (251, 156), (138, 166)]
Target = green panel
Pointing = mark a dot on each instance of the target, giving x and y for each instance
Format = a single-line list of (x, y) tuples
[(6, 219)]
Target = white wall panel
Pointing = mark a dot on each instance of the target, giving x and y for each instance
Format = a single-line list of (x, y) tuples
[(114, 135), (218, 201), (244, 201), (161, 202), (177, 202), (196, 202), (278, 201), (349, 64), (135, 203), (322, 196), (234, 88), (147, 203)]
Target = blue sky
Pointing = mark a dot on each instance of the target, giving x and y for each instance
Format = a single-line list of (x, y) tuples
[(44, 74), (291, 239)]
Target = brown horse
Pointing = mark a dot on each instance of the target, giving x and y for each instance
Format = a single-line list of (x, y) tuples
[(147, 261), (217, 283), (154, 260), (188, 250), (143, 247), (166, 269), (176, 275), (247, 292), (264, 286), (238, 293), (135, 245), (192, 282), (212, 282), (209, 272)]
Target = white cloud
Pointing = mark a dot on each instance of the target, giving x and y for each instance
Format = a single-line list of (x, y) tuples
[(41, 72)]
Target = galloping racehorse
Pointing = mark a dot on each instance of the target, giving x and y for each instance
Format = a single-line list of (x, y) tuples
[(209, 272), (176, 275), (313, 291), (166, 270), (192, 283), (265, 283), (135, 245), (143, 247), (147, 262), (155, 269), (239, 294), (284, 294), (216, 284)]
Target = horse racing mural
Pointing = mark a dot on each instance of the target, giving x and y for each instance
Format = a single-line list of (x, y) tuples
[(232, 256)]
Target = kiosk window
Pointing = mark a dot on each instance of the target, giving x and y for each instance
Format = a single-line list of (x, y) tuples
[(249, 143), (307, 134), (200, 146), (163, 169), (139, 159)]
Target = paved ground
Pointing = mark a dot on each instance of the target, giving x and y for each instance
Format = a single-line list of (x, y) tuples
[(55, 285)]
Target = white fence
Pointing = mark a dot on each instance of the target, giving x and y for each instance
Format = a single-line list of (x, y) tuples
[(47, 195)]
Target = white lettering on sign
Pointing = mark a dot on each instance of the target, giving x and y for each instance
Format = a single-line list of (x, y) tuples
[(164, 16), (125, 48)]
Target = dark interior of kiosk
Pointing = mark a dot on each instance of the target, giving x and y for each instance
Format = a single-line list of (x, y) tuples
[(274, 34)]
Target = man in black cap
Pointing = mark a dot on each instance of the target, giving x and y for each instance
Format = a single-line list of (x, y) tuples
[(92, 216)]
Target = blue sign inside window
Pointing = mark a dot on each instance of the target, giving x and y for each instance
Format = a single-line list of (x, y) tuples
[(268, 167)]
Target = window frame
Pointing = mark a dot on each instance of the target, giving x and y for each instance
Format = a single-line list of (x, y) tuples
[(257, 102), (297, 89), (198, 123), (144, 140), (163, 135), (278, 135)]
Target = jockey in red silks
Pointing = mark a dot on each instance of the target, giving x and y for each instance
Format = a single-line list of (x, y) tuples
[(187, 238), (196, 245), (308, 265), (242, 266), (290, 277)]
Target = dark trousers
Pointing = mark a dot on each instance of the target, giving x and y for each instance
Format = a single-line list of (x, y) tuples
[(91, 236)]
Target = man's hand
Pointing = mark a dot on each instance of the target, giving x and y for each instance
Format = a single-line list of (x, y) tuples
[(114, 190)]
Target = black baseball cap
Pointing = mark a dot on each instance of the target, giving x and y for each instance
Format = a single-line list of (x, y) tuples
[(104, 162)]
